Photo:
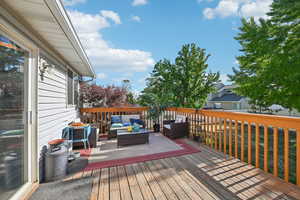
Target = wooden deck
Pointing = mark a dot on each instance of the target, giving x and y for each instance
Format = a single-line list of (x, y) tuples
[(204, 175)]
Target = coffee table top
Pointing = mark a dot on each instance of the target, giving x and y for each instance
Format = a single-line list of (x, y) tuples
[(125, 132)]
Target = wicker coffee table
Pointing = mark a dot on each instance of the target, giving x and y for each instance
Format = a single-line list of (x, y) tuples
[(132, 138)]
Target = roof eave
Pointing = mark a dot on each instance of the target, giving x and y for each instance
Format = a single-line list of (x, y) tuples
[(64, 21)]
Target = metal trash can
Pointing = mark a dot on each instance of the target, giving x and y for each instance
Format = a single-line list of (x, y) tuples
[(56, 164)]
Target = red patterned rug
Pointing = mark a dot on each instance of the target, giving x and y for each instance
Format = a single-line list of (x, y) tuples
[(186, 149)]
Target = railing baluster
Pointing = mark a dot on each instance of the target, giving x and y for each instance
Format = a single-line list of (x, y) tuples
[(249, 143), (275, 151), (266, 148), (230, 137), (225, 136), (206, 131), (236, 139), (242, 141), (257, 145), (286, 155), (216, 132), (298, 156), (211, 131), (220, 133)]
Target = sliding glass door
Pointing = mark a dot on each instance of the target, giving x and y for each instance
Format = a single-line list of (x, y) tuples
[(14, 64)]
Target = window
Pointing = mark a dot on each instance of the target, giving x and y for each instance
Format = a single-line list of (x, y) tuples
[(73, 88), (76, 90), (70, 88)]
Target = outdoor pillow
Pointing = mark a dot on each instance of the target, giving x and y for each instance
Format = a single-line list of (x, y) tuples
[(138, 121), (116, 125), (116, 119), (126, 124)]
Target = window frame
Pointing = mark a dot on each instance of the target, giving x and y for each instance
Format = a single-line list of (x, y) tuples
[(72, 103)]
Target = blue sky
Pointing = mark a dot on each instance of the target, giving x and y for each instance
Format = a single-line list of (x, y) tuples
[(124, 38)]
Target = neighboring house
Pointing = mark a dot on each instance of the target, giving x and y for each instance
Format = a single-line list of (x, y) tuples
[(226, 99), (42, 61)]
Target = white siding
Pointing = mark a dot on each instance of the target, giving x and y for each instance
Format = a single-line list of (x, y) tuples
[(53, 112)]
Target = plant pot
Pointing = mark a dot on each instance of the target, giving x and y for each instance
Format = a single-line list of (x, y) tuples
[(196, 138), (156, 128)]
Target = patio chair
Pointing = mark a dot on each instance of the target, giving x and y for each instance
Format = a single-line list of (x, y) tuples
[(176, 128), (76, 136)]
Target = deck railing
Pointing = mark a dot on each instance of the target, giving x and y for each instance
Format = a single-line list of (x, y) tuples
[(101, 117), (265, 141)]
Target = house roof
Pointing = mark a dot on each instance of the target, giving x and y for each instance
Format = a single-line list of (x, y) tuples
[(50, 23), (227, 97)]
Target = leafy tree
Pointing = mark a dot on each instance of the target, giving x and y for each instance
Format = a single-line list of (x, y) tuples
[(269, 71), (184, 83), (99, 96)]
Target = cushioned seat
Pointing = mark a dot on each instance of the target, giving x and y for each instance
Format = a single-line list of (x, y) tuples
[(176, 128), (168, 126)]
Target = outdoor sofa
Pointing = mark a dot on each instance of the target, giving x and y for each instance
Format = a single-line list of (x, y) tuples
[(121, 122), (176, 128)]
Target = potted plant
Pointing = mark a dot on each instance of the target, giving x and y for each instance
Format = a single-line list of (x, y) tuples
[(154, 114), (196, 137)]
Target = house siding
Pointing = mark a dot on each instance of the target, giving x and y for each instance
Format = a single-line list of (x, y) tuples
[(53, 112)]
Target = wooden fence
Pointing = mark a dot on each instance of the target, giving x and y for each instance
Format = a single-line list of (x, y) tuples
[(265, 141)]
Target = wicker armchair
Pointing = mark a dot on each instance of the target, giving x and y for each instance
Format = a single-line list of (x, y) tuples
[(174, 129)]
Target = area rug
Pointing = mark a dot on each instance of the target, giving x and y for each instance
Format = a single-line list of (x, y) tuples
[(183, 150)]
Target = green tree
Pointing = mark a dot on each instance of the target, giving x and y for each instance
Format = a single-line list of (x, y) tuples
[(186, 83), (269, 71)]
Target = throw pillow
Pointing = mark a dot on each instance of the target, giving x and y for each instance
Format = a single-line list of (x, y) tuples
[(137, 121), (116, 119)]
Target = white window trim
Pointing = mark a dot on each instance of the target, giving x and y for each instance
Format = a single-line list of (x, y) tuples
[(73, 105)]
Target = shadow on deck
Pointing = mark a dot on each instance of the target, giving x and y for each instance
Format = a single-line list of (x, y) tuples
[(204, 175)]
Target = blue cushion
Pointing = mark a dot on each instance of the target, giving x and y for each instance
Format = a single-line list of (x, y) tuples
[(137, 121), (126, 124), (116, 125), (116, 119)]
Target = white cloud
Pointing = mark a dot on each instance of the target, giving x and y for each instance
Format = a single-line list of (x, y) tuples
[(72, 2), (102, 54), (111, 15), (139, 2), (242, 8), (136, 18), (101, 76), (257, 9)]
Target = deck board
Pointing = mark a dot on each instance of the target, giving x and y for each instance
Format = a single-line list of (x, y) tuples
[(144, 185), (168, 191), (206, 175)]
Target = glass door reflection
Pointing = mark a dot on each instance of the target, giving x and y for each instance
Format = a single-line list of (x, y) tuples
[(13, 64)]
